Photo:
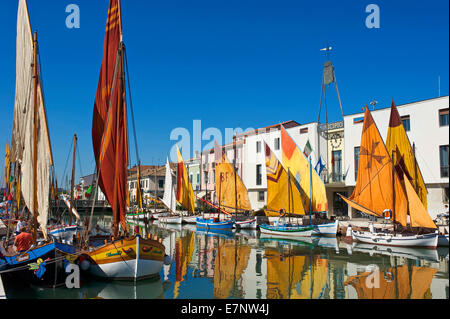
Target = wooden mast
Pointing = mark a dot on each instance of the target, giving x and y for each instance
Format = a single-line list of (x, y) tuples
[(35, 125), (72, 184), (235, 177)]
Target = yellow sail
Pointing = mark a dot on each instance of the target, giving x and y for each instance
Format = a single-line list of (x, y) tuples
[(229, 186), (282, 192), (419, 216), (7, 166), (378, 186), (397, 142), (185, 193), (297, 163)]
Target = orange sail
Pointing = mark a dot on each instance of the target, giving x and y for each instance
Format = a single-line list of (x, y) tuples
[(378, 186), (230, 188), (282, 192), (397, 142), (185, 193), (419, 216), (109, 126)]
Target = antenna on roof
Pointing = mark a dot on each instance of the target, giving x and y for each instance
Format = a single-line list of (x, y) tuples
[(373, 103)]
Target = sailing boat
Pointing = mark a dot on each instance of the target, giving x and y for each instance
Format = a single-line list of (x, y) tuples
[(65, 233), (169, 199), (233, 195), (383, 190), (309, 183), (283, 197), (222, 181), (123, 257), (32, 154)]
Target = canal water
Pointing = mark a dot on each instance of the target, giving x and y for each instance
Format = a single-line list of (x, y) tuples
[(244, 264)]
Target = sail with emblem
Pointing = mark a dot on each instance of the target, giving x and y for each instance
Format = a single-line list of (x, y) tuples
[(29, 114), (230, 189), (109, 125), (397, 142), (294, 160), (377, 182), (282, 192)]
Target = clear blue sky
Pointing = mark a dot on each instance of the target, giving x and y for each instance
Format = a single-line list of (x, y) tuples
[(233, 63)]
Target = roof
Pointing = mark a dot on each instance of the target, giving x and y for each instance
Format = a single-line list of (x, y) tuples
[(150, 170)]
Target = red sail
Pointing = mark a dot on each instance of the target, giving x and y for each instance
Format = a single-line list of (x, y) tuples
[(109, 127)]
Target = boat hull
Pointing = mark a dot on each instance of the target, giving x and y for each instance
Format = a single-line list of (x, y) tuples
[(190, 219), (246, 224), (211, 224), (65, 234), (171, 219), (426, 240), (54, 275), (128, 259), (287, 231), (329, 229)]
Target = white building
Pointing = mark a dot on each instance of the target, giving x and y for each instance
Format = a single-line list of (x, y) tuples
[(427, 125), (254, 164)]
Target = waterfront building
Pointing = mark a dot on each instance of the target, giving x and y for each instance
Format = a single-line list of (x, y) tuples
[(426, 123), (152, 178), (337, 147)]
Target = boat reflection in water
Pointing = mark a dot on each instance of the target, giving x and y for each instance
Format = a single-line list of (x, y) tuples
[(243, 264)]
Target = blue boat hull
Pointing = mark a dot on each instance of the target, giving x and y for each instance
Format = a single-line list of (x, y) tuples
[(54, 275), (211, 224)]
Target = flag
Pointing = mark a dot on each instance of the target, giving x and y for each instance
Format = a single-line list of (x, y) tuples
[(89, 192), (308, 149), (319, 166)]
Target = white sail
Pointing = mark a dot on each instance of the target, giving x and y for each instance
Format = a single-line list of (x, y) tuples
[(24, 123), (169, 199)]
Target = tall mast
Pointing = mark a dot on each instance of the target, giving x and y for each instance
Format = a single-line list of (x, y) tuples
[(289, 194), (415, 167), (235, 173), (35, 150), (393, 189), (73, 176)]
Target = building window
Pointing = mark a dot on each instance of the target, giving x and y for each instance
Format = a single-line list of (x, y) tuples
[(198, 178), (258, 147), (258, 174), (161, 183), (356, 161), (406, 123), (261, 196), (191, 178), (304, 130), (443, 117), (277, 143), (206, 177), (443, 153), (336, 164)]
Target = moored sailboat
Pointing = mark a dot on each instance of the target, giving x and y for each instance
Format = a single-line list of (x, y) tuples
[(383, 190), (124, 256), (31, 152), (169, 200), (283, 197)]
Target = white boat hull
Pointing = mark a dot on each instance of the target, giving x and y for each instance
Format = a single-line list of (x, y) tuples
[(190, 219), (65, 234), (171, 219), (279, 233), (246, 224), (426, 240), (329, 229), (125, 270)]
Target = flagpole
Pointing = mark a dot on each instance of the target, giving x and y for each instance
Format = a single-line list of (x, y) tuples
[(310, 189)]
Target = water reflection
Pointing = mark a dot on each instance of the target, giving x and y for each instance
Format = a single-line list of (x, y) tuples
[(243, 264)]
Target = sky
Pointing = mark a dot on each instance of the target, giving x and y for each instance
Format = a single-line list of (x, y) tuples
[(230, 64)]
